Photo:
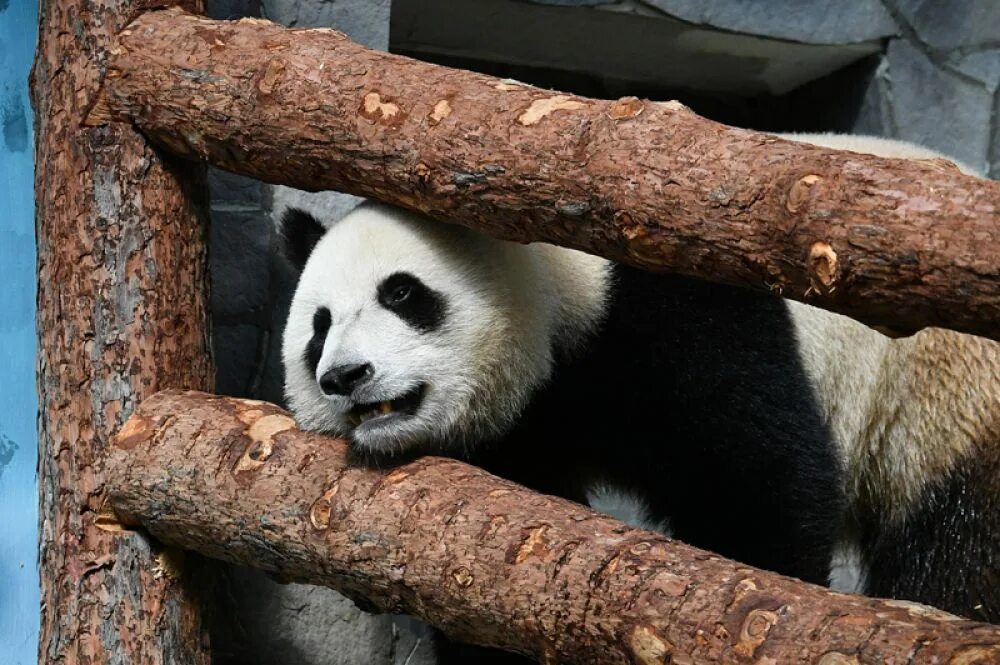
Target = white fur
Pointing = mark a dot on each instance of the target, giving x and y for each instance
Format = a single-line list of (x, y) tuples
[(848, 573), (507, 304), (898, 409), (510, 304), (860, 376), (626, 506)]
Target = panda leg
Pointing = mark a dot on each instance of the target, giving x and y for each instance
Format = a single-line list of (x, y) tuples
[(945, 551)]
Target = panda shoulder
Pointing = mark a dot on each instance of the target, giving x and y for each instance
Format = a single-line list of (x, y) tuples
[(877, 145)]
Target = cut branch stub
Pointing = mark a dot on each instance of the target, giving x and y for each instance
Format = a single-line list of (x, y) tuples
[(486, 560), (647, 183)]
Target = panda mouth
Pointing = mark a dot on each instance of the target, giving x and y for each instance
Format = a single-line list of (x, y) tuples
[(406, 404)]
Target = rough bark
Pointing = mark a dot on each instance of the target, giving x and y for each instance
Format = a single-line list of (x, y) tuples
[(484, 559), (121, 314), (899, 245)]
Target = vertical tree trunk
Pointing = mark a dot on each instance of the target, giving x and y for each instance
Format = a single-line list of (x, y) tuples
[(122, 304)]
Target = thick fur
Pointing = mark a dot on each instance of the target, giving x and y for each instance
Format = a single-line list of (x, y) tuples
[(563, 372), (917, 423), (771, 432), (510, 309)]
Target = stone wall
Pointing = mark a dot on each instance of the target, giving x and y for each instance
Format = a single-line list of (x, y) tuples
[(934, 79)]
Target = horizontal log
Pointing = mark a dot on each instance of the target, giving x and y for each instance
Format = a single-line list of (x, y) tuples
[(484, 559), (897, 244)]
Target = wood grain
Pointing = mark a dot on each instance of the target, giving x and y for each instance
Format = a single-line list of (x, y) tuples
[(484, 559), (122, 313), (897, 244)]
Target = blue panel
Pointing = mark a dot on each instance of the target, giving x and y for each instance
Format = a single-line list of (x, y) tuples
[(19, 594)]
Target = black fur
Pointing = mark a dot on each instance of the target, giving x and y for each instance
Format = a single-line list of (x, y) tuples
[(692, 395), (420, 306), (946, 551), (314, 349), (299, 232)]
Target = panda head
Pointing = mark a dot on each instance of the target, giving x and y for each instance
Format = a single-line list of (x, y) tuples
[(408, 335)]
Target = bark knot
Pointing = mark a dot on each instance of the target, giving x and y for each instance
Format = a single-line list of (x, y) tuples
[(534, 543), (440, 111), (754, 630), (381, 112), (626, 108), (137, 429), (799, 192), (648, 648), (824, 268), (741, 590), (262, 433), (271, 75), (541, 108), (322, 508), (423, 173), (463, 577)]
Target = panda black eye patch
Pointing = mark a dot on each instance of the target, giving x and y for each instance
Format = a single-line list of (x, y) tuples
[(407, 297), (314, 349)]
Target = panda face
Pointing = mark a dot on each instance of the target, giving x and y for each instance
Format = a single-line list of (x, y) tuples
[(404, 333)]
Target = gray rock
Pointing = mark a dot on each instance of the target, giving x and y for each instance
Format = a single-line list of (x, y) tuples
[(239, 258), (364, 21), (811, 21), (875, 114), (327, 207), (231, 188), (236, 357), (282, 287), (982, 65), (574, 3), (937, 108), (232, 9), (994, 171), (300, 624), (945, 25)]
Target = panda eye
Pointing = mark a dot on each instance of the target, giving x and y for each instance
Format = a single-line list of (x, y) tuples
[(413, 301), (400, 293)]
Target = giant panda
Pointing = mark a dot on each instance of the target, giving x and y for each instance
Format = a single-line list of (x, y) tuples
[(771, 432)]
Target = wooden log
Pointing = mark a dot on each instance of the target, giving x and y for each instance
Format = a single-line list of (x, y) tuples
[(484, 559), (122, 313), (896, 244)]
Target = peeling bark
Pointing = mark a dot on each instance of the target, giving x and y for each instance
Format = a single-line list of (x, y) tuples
[(122, 304), (904, 244), (484, 559)]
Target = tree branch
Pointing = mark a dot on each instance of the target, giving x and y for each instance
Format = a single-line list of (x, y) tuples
[(897, 244), (484, 559)]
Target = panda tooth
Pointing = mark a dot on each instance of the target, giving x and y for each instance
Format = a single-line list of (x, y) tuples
[(385, 407)]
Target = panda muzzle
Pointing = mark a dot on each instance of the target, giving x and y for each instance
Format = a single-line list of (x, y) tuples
[(406, 404)]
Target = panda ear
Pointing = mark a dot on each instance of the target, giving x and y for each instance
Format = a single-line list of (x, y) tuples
[(299, 233)]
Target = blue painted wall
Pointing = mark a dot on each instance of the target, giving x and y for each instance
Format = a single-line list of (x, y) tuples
[(19, 595)]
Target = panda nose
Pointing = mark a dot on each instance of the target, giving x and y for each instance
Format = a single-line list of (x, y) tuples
[(343, 379)]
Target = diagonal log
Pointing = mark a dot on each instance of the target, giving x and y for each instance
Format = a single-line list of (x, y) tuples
[(484, 559), (896, 244)]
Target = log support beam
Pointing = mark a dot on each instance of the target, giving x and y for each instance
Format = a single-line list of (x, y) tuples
[(897, 244), (122, 313), (484, 559)]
